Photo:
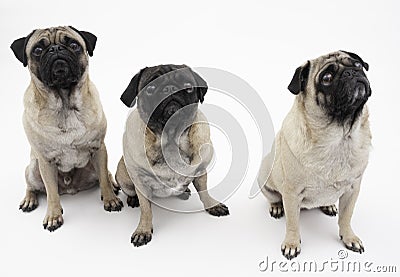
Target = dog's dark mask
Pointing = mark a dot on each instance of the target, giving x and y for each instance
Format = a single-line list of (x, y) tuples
[(56, 64), (164, 91), (342, 88), (59, 63)]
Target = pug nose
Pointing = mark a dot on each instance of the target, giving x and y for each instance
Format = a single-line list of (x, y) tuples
[(170, 89), (55, 48), (350, 73)]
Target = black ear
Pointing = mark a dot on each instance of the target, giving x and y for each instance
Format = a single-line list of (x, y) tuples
[(299, 79), (89, 38), (130, 93), (358, 58), (201, 86), (19, 47)]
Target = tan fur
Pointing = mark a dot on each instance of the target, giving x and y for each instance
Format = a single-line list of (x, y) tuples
[(67, 139), (316, 163), (143, 159)]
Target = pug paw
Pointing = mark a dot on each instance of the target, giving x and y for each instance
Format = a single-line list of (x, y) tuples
[(290, 249), (329, 210), (276, 210), (185, 195), (140, 237), (133, 201), (218, 210), (29, 203), (53, 219), (353, 243), (113, 204)]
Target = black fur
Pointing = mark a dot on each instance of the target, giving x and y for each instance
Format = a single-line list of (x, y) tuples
[(59, 67), (19, 47), (128, 97), (340, 102), (357, 58), (169, 95), (89, 38), (299, 80)]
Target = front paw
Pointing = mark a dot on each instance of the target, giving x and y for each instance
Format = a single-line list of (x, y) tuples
[(112, 204), (353, 243), (218, 210), (141, 237), (290, 248), (53, 219)]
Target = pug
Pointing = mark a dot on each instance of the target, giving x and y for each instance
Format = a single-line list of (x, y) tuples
[(63, 120), (166, 143), (322, 149)]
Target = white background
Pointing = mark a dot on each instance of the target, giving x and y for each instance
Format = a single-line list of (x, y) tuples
[(262, 42)]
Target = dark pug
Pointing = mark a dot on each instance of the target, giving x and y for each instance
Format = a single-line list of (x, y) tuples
[(167, 142), (63, 120), (322, 149)]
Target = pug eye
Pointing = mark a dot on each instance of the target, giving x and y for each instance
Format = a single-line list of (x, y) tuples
[(188, 87), (37, 51), (358, 64), (150, 90), (75, 46), (327, 79)]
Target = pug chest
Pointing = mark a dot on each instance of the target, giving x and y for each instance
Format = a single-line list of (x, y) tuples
[(67, 142), (169, 176), (334, 173)]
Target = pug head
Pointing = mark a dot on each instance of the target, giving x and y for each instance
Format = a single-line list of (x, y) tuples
[(56, 56), (163, 92), (334, 84)]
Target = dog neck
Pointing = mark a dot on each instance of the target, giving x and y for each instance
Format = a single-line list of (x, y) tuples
[(61, 99), (318, 125)]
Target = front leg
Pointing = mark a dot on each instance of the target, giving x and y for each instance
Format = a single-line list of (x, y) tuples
[(211, 205), (144, 230), (291, 245), (110, 200), (49, 172), (346, 206)]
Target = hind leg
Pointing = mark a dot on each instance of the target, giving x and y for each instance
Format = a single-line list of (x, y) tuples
[(266, 183), (116, 188), (34, 184), (30, 201), (185, 195), (126, 184), (276, 210), (275, 199)]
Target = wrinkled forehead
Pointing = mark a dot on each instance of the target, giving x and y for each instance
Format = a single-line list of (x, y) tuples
[(166, 75), (53, 36), (338, 57)]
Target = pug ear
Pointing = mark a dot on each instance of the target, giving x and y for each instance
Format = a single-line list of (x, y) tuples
[(19, 48), (299, 79), (358, 58), (130, 93), (89, 38), (201, 88)]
